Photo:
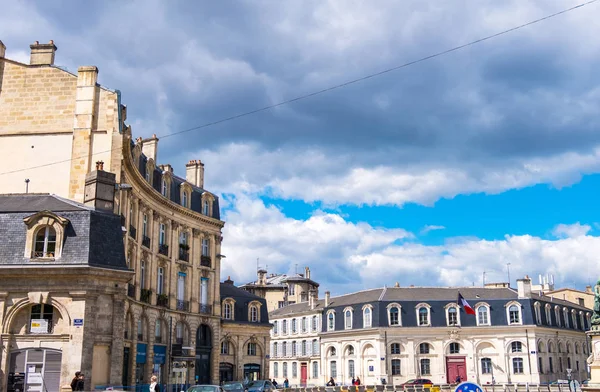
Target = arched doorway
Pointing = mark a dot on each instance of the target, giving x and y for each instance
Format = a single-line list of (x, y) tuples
[(203, 351), (226, 371), (34, 369)]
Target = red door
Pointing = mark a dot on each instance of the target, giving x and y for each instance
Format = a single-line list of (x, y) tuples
[(303, 374), (456, 366)]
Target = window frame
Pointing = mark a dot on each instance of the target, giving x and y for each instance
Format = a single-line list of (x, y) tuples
[(348, 318), (518, 365), (486, 365), (516, 346), (454, 348), (398, 309), (426, 314), (396, 367), (251, 349), (395, 349), (423, 351), (510, 313), (483, 308), (425, 366), (331, 320), (367, 316), (452, 309)]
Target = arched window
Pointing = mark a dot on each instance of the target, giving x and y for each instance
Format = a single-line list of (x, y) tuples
[(294, 369), (351, 372), (164, 187), (483, 315), (331, 321), (367, 317), (332, 352), (548, 314), (514, 314), (424, 348), (350, 350), (452, 316), (574, 318), (275, 350), (516, 347), (566, 317), (228, 311), (423, 316), (557, 315), (206, 208), (454, 348), (254, 313), (45, 242), (303, 348), (395, 348), (538, 313), (394, 316), (285, 369), (184, 199), (348, 319)]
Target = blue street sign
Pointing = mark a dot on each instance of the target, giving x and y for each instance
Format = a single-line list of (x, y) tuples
[(468, 387), (78, 322)]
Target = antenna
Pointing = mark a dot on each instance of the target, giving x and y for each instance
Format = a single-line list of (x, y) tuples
[(296, 268), (483, 279), (257, 265)]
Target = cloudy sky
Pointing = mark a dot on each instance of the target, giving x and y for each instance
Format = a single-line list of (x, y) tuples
[(428, 175)]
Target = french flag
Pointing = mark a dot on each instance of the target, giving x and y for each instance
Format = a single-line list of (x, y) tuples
[(463, 302)]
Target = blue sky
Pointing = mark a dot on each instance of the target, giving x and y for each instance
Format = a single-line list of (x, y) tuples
[(428, 175)]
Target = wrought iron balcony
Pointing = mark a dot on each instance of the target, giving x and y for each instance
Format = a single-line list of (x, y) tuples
[(146, 241), (162, 300), (163, 249), (184, 254), (183, 305), (205, 261), (131, 290), (146, 295), (205, 309), (132, 232)]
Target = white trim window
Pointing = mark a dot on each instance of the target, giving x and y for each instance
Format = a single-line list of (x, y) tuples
[(275, 327), (294, 326), (574, 318), (315, 324), (516, 347), (160, 282), (394, 318), (331, 320), (205, 247), (513, 313), (557, 315), (184, 199), (452, 315), (566, 317), (162, 234), (164, 187), (483, 314), (548, 314), (304, 325), (348, 316), (538, 313), (254, 313), (228, 312), (45, 242), (284, 327), (423, 315), (206, 208), (367, 316)]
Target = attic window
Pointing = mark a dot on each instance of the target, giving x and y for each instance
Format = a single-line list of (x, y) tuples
[(45, 242)]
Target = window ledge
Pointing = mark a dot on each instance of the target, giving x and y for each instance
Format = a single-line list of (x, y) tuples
[(46, 259)]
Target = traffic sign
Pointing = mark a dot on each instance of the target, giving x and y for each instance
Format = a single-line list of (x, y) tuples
[(468, 387)]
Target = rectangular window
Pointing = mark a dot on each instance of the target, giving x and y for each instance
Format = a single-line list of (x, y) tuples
[(395, 367), (184, 199), (183, 238), (280, 304), (294, 369), (292, 288), (315, 323), (145, 226), (181, 286), (425, 367), (395, 348), (315, 370), (285, 372), (517, 365), (251, 348), (486, 366), (161, 281), (203, 291), (304, 348), (275, 370), (304, 324), (551, 365), (482, 314), (162, 239), (143, 274), (205, 247), (224, 348), (333, 366), (452, 316), (540, 365), (315, 347), (351, 368)]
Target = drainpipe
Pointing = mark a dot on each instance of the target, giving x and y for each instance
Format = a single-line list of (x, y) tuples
[(529, 356), (387, 360), (119, 110)]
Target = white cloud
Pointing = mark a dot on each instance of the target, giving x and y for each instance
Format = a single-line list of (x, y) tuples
[(346, 256), (569, 231), (429, 228)]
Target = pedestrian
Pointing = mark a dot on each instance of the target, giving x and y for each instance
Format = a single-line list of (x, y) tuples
[(286, 383), (154, 386), (353, 381), (74, 381), (457, 379), (331, 382), (357, 380), (80, 382)]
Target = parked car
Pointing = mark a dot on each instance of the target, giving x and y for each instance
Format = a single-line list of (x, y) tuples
[(233, 386), (417, 381), (260, 386), (205, 388)]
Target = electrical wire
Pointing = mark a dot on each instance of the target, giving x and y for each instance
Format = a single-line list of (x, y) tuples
[(335, 87)]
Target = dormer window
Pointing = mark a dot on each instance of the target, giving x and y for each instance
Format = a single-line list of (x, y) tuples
[(45, 242), (164, 188), (254, 312), (452, 315), (228, 310), (423, 319), (566, 317), (206, 207), (367, 316), (557, 315), (548, 315), (184, 199), (331, 320), (348, 318), (394, 315), (513, 313)]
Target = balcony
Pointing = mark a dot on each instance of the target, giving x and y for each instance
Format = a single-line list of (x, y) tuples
[(205, 309), (183, 305), (163, 249), (131, 290), (162, 300), (146, 241), (132, 232), (205, 261), (146, 295), (184, 253)]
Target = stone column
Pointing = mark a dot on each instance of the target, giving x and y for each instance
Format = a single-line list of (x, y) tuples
[(81, 153), (4, 343), (118, 333)]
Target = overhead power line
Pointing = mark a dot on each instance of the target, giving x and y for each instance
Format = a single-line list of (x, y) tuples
[(331, 88)]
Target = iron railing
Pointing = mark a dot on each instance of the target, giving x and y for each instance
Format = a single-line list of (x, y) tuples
[(205, 261), (146, 295), (132, 232), (183, 305), (205, 309), (146, 241), (163, 249)]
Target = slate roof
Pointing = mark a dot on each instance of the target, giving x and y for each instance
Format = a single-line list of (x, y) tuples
[(280, 281), (93, 238), (242, 299)]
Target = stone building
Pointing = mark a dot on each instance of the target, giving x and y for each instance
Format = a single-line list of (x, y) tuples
[(245, 333), (63, 280), (172, 224), (281, 289), (396, 334)]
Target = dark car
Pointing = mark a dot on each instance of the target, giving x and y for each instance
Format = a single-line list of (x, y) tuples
[(260, 386), (417, 381), (233, 386), (205, 388)]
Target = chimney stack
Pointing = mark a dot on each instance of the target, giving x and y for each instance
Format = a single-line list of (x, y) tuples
[(229, 281), (100, 189), (150, 147), (194, 173), (327, 298), (307, 272), (2, 50), (524, 287), (42, 54), (312, 298)]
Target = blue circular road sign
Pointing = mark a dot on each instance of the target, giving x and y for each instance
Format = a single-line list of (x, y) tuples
[(468, 387)]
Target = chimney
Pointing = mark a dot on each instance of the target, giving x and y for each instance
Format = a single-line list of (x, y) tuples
[(312, 298), (150, 147), (229, 281), (194, 173), (2, 50), (166, 168), (307, 272), (100, 189), (588, 289), (262, 277), (524, 287), (397, 285), (327, 298), (42, 54)]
